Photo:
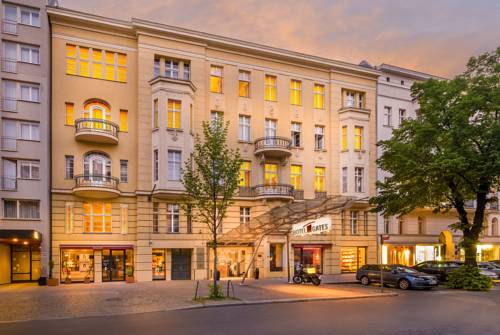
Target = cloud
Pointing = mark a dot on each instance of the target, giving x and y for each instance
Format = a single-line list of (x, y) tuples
[(431, 36)]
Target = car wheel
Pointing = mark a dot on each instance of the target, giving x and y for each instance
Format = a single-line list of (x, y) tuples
[(404, 284), (365, 281)]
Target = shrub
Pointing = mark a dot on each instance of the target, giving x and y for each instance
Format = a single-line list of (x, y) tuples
[(469, 278), (215, 292)]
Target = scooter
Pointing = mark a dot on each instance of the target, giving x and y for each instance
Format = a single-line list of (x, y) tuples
[(307, 275)]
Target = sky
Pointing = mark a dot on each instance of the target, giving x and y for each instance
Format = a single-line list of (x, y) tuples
[(433, 36)]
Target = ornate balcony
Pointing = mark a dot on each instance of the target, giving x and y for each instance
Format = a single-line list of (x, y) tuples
[(96, 187), (96, 130), (277, 191), (273, 147)]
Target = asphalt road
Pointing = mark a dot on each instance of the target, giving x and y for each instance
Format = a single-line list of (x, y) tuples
[(411, 313)]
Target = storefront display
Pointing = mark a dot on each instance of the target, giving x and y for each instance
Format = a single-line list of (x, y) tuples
[(77, 264), (158, 264), (25, 263), (231, 262), (308, 257), (352, 258), (399, 254), (485, 253), (424, 253)]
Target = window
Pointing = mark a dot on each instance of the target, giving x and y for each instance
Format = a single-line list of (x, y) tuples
[(387, 223), (30, 54), (244, 215), (358, 138), (494, 227), (124, 219), (191, 118), (155, 114), (216, 79), (174, 165), (271, 88), (21, 209), (319, 179), (354, 99), (30, 131), (344, 138), (172, 69), (354, 222), (189, 219), (387, 116), (270, 174), (70, 114), (174, 114), (156, 67), (276, 252), (30, 93), (173, 218), (402, 83), (215, 116), (319, 138), (344, 180), (296, 133), (123, 120), (421, 225), (388, 79), (187, 71), (296, 176), (295, 92), (69, 166), (244, 84), (123, 170), (245, 128), (156, 215), (401, 223), (402, 115), (30, 170), (97, 217), (10, 56), (10, 13), (358, 179), (319, 96), (270, 129), (155, 165), (96, 63), (69, 217), (245, 173), (30, 17)]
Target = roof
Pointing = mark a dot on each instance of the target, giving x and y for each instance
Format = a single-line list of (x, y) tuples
[(388, 68)]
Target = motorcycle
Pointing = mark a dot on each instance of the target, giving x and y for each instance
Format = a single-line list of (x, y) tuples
[(306, 275)]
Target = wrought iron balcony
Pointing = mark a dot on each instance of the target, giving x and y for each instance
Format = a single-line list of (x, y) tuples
[(274, 146), (96, 186), (277, 191), (96, 130)]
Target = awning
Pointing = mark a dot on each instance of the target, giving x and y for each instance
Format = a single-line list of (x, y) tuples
[(20, 236)]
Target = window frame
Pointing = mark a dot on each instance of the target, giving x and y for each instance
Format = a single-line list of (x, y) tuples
[(359, 182), (69, 167), (319, 137), (31, 165), (245, 214), (173, 218), (245, 81), (319, 179), (296, 134), (296, 176), (174, 166), (102, 216), (174, 109), (319, 96), (296, 92), (358, 138), (217, 78), (242, 126), (270, 89), (123, 171), (31, 89), (387, 120), (18, 204)]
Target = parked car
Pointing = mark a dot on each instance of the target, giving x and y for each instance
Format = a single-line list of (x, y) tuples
[(440, 269), (496, 262), (490, 267), (399, 276)]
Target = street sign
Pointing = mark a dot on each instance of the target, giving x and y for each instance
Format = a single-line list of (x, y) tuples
[(385, 237)]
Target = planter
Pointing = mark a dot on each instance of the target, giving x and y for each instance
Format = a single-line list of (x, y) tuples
[(42, 281), (67, 281), (53, 282), (86, 280), (129, 280)]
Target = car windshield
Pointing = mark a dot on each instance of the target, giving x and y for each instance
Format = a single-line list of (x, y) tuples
[(406, 270)]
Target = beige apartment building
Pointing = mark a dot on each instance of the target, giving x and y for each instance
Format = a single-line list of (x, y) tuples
[(128, 98)]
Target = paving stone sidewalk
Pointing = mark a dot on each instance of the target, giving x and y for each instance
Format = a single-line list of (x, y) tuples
[(22, 302)]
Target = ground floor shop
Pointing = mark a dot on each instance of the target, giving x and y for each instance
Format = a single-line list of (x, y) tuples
[(410, 255)]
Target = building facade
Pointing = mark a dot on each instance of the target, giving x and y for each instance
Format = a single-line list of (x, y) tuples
[(25, 154), (421, 235), (128, 99)]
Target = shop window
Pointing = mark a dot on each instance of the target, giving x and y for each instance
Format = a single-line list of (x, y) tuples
[(309, 257), (352, 258), (158, 264), (77, 264), (276, 257), (404, 255)]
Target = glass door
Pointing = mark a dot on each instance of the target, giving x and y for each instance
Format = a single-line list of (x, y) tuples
[(113, 265)]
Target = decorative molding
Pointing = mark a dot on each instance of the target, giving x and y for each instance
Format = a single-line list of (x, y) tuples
[(86, 41)]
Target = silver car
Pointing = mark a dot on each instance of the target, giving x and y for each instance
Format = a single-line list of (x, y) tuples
[(491, 270)]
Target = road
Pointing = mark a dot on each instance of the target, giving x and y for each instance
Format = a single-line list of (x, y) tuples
[(410, 313)]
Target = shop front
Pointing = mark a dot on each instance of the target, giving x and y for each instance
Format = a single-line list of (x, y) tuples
[(20, 255), (309, 255), (410, 255), (77, 265), (232, 261)]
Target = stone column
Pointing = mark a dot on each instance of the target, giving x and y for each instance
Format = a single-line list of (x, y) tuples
[(97, 266)]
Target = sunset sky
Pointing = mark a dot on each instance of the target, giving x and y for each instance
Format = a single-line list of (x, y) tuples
[(434, 36)]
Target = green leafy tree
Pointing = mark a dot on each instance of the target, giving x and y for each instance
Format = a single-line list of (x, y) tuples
[(211, 178), (450, 153)]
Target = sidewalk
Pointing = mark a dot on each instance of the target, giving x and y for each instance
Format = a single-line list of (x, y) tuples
[(21, 302)]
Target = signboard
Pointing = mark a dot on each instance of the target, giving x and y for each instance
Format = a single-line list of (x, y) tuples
[(312, 227)]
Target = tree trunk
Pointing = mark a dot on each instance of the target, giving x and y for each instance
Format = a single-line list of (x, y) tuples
[(470, 246), (215, 260)]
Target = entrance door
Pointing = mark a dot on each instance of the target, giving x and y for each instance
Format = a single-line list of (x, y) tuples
[(113, 265), (181, 264)]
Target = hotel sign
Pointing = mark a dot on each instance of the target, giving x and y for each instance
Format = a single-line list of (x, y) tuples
[(311, 227)]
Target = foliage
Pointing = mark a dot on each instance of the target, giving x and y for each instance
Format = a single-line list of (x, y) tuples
[(450, 152), (215, 291), (469, 278)]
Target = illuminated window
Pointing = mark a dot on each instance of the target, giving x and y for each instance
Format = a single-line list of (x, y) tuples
[(155, 114), (123, 120), (319, 179), (216, 79), (97, 217), (84, 61), (110, 65), (70, 59), (295, 92), (174, 114), (319, 96), (296, 176), (271, 88), (244, 84), (271, 174), (124, 219), (245, 172), (70, 113), (96, 63), (358, 138), (122, 70), (344, 138), (69, 218)]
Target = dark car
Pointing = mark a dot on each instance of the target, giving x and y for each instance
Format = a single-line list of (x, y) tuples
[(440, 269), (399, 276), (497, 262)]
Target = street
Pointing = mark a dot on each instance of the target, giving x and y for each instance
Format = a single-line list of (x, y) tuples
[(414, 312)]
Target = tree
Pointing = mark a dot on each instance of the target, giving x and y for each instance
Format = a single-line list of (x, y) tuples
[(450, 153), (211, 179)]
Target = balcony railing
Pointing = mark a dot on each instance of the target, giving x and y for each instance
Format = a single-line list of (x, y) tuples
[(9, 183), (319, 195), (274, 142), (245, 192), (96, 181), (9, 143), (299, 194), (9, 27), (9, 104), (96, 130), (277, 190), (9, 65)]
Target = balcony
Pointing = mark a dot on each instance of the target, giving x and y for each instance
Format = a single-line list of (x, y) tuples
[(273, 147), (9, 27), (9, 104), (9, 65), (96, 131), (277, 191), (96, 187)]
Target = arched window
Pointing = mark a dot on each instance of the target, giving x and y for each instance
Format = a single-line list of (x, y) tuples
[(97, 109), (494, 227), (96, 164)]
